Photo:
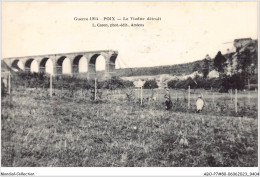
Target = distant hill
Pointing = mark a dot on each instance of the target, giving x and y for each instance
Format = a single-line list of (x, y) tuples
[(179, 69), (186, 68)]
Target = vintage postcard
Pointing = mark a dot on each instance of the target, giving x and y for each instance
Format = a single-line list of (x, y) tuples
[(129, 84)]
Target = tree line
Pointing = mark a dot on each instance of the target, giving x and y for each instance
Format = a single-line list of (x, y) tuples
[(41, 80), (237, 70)]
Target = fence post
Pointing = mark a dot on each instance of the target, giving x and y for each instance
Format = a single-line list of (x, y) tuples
[(9, 84), (213, 99), (141, 95), (95, 88), (51, 85), (249, 98), (231, 95), (189, 97), (236, 100)]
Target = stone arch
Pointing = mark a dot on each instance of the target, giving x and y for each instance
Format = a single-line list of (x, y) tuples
[(59, 64), (27, 65), (46, 66), (43, 62), (34, 66), (79, 65), (112, 63), (83, 65), (60, 67), (49, 66), (94, 66), (15, 64), (92, 63)]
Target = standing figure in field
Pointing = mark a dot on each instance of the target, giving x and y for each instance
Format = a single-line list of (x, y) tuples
[(152, 97), (92, 91), (199, 104), (168, 101)]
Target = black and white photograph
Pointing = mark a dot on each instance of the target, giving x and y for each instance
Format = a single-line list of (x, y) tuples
[(129, 84)]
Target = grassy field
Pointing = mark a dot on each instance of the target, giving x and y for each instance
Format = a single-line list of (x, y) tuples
[(42, 131)]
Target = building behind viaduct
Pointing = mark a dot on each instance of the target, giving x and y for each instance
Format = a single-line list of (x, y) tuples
[(74, 58)]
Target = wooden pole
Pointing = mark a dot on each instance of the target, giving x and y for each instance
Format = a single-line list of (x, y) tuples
[(236, 100), (141, 95), (189, 97), (9, 83), (95, 88), (231, 96), (249, 98), (51, 85), (213, 99)]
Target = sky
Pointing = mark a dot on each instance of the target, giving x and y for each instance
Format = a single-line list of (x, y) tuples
[(187, 31)]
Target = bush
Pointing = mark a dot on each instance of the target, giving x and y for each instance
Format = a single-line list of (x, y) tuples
[(150, 84), (116, 83), (33, 80), (183, 84), (254, 79), (172, 83), (236, 81), (215, 83), (41, 80)]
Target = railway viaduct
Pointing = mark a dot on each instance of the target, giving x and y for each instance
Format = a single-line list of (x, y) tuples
[(74, 58)]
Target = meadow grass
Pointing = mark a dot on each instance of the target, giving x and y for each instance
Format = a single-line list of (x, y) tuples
[(45, 132)]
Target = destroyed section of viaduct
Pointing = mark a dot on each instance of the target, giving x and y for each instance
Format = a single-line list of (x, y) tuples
[(74, 58)]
